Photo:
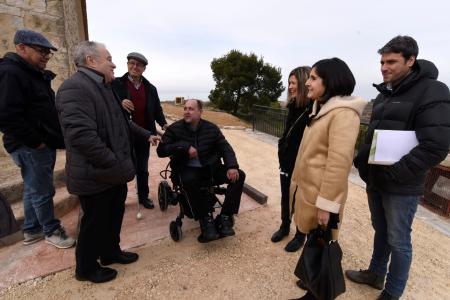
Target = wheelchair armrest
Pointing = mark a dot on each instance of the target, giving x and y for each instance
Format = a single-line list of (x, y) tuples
[(218, 190)]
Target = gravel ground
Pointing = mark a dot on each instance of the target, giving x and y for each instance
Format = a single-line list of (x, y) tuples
[(248, 265)]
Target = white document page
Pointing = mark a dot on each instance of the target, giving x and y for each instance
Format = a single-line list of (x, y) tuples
[(392, 145)]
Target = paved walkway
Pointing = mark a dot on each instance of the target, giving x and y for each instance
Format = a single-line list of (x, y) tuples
[(21, 263)]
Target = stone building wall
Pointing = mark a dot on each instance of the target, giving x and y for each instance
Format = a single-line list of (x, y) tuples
[(62, 22)]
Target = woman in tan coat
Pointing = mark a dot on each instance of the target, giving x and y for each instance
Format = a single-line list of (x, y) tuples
[(319, 180)]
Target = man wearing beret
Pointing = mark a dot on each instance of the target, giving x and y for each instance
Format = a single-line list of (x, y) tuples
[(140, 99), (31, 132)]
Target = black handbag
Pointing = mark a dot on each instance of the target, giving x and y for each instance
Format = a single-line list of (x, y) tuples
[(319, 266)]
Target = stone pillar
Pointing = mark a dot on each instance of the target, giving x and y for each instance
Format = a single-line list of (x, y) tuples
[(75, 28)]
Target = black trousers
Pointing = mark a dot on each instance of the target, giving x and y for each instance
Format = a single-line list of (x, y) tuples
[(193, 179), (100, 227), (142, 151), (285, 182)]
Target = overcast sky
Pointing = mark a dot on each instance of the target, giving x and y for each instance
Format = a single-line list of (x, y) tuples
[(180, 38)]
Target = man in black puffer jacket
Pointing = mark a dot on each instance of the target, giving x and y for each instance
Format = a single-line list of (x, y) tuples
[(410, 99), (196, 147), (31, 133)]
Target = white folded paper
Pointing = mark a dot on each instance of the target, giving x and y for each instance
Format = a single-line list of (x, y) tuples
[(389, 146)]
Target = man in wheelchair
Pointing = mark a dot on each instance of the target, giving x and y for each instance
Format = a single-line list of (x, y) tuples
[(196, 148)]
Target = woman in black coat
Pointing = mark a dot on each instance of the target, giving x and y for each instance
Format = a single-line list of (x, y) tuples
[(298, 110)]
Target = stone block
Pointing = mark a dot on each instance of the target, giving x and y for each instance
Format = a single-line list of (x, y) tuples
[(32, 5), (10, 10), (44, 23), (8, 26), (55, 8)]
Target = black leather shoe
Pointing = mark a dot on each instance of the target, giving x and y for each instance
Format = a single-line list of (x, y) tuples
[(123, 258), (386, 296), (147, 203), (296, 243), (224, 224), (366, 277), (99, 275), (280, 234), (208, 229)]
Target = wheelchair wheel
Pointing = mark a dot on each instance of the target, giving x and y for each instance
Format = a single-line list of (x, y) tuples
[(163, 196), (175, 231)]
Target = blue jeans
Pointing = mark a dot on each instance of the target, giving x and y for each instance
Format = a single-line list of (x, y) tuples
[(392, 217), (36, 167)]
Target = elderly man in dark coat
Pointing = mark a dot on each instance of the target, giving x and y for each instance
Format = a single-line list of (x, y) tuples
[(99, 139)]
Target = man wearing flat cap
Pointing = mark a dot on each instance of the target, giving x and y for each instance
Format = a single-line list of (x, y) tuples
[(140, 99), (31, 132)]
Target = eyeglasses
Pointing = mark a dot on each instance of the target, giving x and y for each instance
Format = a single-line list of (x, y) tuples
[(136, 64), (44, 52)]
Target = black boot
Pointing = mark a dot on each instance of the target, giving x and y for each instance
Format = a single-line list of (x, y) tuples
[(208, 229), (147, 203), (224, 225), (280, 233), (296, 243)]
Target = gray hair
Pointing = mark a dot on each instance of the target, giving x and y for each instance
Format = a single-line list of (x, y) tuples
[(84, 49)]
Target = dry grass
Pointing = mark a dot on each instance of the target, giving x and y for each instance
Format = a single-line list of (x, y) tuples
[(219, 118)]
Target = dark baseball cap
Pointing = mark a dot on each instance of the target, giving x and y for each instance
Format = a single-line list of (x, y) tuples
[(29, 37)]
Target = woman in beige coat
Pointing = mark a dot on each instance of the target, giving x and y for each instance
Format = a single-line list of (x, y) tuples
[(319, 180)]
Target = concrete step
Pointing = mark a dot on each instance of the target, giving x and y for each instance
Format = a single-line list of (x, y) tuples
[(63, 203), (12, 189)]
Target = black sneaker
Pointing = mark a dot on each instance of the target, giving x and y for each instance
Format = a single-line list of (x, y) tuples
[(225, 224), (366, 277), (208, 229), (147, 203)]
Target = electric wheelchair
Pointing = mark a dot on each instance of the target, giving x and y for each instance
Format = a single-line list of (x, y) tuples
[(176, 195)]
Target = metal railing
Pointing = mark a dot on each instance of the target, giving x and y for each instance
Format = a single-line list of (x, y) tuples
[(273, 120), (269, 120)]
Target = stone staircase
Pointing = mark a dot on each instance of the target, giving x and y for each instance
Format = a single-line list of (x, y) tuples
[(63, 201)]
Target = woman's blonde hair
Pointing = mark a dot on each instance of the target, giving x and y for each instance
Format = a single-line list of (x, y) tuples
[(301, 74)]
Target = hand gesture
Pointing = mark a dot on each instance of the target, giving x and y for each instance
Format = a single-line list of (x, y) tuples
[(323, 217), (233, 175), (192, 152), (128, 105), (154, 139)]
